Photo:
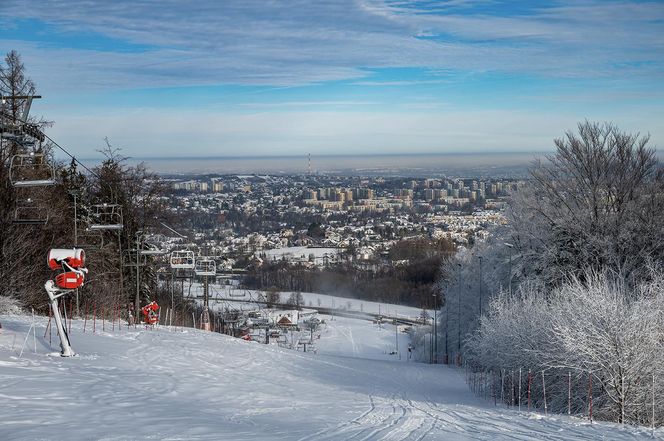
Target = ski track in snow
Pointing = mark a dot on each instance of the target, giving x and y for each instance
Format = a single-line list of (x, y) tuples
[(174, 385)]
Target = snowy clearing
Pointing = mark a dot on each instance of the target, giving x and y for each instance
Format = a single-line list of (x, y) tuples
[(170, 384)]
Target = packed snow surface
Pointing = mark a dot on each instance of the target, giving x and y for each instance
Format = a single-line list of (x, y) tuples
[(178, 384)]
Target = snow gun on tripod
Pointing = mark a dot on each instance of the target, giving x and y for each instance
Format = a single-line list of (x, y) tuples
[(71, 274)]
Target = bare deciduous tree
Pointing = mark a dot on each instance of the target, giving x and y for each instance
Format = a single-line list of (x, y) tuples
[(595, 204)]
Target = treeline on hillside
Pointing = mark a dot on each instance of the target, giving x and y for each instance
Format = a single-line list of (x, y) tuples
[(407, 277), (36, 219), (571, 289)]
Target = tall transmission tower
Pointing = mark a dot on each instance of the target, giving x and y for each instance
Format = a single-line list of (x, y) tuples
[(309, 167)]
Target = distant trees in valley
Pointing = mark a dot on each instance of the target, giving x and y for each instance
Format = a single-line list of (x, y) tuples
[(408, 275)]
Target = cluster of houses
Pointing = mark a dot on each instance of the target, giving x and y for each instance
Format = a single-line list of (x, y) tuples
[(288, 205)]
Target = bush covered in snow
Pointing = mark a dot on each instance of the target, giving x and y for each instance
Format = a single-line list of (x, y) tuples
[(9, 305), (599, 327)]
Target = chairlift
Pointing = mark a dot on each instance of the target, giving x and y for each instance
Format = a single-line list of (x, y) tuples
[(106, 217), (31, 170), (152, 252), (90, 240), (30, 215), (205, 267), (182, 260)]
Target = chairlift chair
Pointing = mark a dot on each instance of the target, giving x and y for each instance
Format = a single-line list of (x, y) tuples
[(205, 267), (31, 170), (90, 240), (106, 217), (182, 260), (152, 252), (30, 215)]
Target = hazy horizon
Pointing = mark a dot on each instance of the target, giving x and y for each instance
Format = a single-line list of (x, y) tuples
[(411, 164)]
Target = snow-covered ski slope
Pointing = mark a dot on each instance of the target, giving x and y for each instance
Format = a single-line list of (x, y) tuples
[(164, 384)]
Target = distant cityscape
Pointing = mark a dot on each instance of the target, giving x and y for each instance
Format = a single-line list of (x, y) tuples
[(235, 215)]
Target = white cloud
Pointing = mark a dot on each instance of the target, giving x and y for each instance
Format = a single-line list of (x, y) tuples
[(299, 42), (303, 42)]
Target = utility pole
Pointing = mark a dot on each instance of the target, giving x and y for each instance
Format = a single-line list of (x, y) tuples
[(480, 258), (396, 336), (205, 321), (447, 322), (208, 268), (510, 246), (172, 295), (433, 325), (75, 194), (459, 319), (435, 328), (137, 306)]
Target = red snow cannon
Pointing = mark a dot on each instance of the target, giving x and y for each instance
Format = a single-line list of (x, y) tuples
[(150, 313), (74, 258), (69, 280)]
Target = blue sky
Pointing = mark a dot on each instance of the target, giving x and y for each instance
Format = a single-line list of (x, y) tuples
[(249, 77)]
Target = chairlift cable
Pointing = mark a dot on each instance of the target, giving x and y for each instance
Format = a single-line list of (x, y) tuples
[(6, 115)]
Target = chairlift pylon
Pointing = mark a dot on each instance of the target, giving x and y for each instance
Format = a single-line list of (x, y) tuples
[(31, 170), (106, 217)]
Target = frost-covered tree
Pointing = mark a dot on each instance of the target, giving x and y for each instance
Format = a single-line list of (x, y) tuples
[(596, 325), (470, 279), (595, 204), (273, 296), (14, 82), (296, 300)]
